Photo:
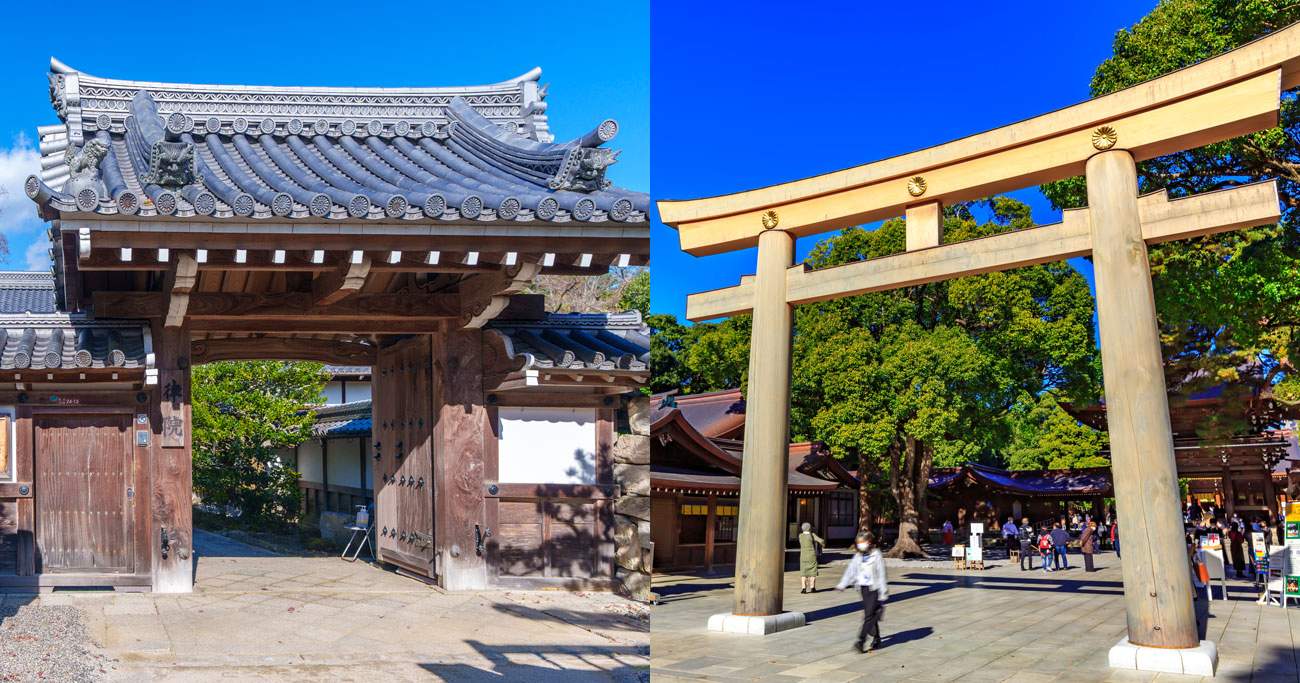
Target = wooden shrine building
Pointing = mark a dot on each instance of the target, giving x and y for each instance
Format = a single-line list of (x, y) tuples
[(980, 493), (1229, 441), (384, 227), (695, 483)]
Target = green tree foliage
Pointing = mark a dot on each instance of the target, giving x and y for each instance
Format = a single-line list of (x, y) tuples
[(636, 293), (692, 359), (1231, 299), (243, 413), (923, 376), (1044, 436)]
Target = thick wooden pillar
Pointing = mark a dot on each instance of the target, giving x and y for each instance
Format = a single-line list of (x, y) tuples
[(1157, 585), (760, 543), (710, 533), (1270, 495), (1229, 493), (172, 480), (459, 443)]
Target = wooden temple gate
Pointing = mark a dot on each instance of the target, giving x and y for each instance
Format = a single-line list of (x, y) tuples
[(198, 231), (1227, 96)]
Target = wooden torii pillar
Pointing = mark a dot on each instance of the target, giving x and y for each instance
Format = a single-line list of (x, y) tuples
[(1221, 98)]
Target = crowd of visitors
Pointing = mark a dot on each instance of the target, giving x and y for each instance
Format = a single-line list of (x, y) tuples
[(1202, 519)]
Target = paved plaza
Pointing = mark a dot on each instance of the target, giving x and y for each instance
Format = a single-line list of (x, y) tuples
[(945, 625), (258, 616)]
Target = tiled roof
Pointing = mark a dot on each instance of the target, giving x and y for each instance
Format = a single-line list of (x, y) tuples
[(34, 335), (442, 154), (23, 292), (345, 419), (602, 341)]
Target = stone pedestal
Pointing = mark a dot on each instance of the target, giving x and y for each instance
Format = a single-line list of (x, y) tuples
[(1193, 661), (755, 625)]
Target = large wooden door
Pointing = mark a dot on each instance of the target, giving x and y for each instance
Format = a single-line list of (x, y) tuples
[(83, 489), (402, 424)]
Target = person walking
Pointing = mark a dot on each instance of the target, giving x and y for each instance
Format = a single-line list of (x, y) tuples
[(1237, 545), (1045, 550), (1088, 546), (1011, 537), (1026, 544), (867, 571), (808, 543), (1060, 549), (1114, 536), (947, 532)]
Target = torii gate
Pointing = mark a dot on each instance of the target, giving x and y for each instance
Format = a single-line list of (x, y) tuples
[(1221, 98)]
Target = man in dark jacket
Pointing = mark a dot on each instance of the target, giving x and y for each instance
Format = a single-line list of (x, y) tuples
[(1026, 544), (1060, 537)]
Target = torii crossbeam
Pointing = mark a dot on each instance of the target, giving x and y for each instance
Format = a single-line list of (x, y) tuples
[(1231, 95)]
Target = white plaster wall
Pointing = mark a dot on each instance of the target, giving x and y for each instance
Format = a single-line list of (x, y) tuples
[(367, 456), (332, 395), (344, 462), (309, 461), (547, 445), (358, 391)]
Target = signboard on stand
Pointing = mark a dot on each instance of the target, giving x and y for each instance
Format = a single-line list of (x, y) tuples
[(1291, 580)]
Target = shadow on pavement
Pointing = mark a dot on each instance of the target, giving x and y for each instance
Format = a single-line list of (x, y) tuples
[(585, 620), (503, 669), (907, 636)]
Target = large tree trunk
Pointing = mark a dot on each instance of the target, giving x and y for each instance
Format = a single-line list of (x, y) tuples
[(903, 480), (865, 512)]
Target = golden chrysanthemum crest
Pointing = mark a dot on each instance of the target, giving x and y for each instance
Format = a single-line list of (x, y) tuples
[(770, 219), (1104, 138), (916, 186)]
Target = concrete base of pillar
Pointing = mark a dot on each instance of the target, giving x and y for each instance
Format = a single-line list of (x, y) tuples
[(1195, 661), (755, 626)]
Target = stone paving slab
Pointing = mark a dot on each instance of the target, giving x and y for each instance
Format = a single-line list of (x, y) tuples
[(258, 616), (998, 625)]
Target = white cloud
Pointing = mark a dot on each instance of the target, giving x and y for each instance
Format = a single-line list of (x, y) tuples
[(38, 255), (16, 163), (19, 224)]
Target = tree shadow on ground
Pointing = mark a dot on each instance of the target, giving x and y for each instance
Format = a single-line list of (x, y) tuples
[(1272, 663), (929, 584), (582, 619), (520, 663), (689, 588)]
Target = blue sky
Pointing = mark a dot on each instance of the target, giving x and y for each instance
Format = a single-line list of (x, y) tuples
[(781, 91), (595, 55)]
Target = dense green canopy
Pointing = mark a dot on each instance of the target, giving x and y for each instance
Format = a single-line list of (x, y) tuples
[(1232, 301)]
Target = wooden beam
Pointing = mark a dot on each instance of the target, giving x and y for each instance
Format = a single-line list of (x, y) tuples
[(180, 279), (1217, 99), (347, 280), (412, 306), (1162, 221), (105, 237), (282, 348), (309, 325)]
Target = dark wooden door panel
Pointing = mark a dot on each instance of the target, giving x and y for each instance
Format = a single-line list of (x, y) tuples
[(402, 425), (84, 468)]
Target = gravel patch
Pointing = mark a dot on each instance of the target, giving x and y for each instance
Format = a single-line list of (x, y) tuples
[(47, 643)]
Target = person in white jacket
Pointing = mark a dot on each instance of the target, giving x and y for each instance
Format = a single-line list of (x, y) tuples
[(867, 571)]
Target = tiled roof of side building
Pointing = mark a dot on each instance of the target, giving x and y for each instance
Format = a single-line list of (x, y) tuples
[(598, 341), (35, 335), (481, 153)]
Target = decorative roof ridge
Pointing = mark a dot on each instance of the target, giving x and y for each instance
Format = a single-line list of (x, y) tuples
[(533, 75), (621, 320), (361, 408), (64, 319), (86, 104)]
